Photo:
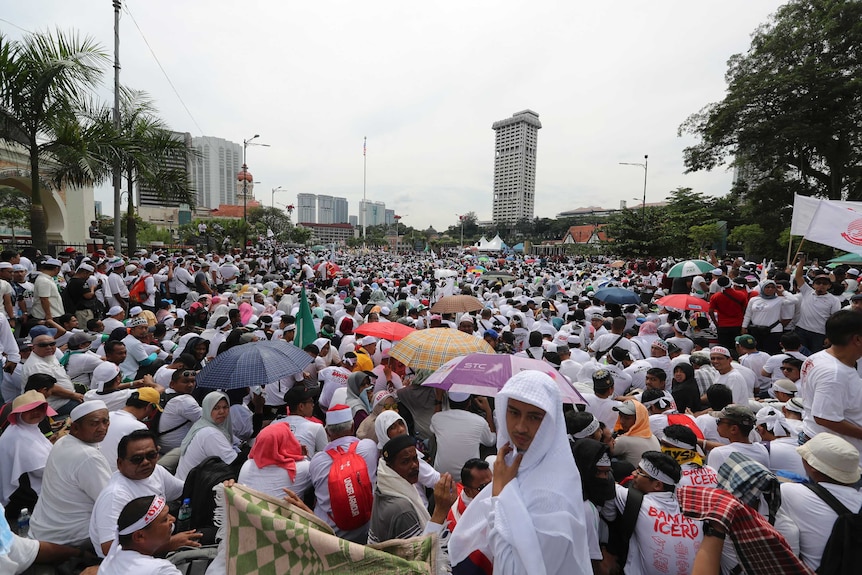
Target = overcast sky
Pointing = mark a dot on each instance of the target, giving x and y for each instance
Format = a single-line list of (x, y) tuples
[(611, 81)]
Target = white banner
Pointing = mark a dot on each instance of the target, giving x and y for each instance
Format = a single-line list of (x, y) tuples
[(837, 225), (804, 208)]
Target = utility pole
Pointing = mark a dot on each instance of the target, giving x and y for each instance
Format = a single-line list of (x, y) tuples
[(118, 240)]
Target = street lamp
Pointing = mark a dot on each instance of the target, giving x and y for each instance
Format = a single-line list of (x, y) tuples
[(460, 217), (272, 197), (397, 218), (645, 166), (245, 177)]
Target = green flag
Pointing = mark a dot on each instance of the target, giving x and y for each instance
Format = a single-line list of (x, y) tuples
[(305, 332)]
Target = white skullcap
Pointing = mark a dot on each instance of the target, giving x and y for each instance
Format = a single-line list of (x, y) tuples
[(87, 408)]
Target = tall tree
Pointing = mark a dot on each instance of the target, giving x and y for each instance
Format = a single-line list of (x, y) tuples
[(793, 102), (43, 78)]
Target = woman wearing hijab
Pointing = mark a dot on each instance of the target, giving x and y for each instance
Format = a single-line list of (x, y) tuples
[(360, 385), (685, 391), (198, 348), (210, 436), (383, 400), (635, 435), (647, 334), (276, 462), (536, 524), (597, 481), (765, 317), (24, 452)]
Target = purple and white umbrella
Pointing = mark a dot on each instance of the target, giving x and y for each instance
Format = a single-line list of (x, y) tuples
[(487, 373)]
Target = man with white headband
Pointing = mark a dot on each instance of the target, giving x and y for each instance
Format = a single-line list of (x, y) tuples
[(663, 538), (536, 524), (774, 431), (144, 527), (75, 474)]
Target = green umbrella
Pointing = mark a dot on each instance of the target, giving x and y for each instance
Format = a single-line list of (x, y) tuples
[(690, 268), (847, 259)]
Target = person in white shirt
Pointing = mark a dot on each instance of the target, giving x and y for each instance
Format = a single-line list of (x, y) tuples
[(137, 475), (300, 405), (754, 359), (601, 403), (75, 474), (735, 423), (63, 397), (460, 432), (830, 387), (334, 378), (144, 527), (78, 360), (805, 519), (141, 404), (662, 534), (181, 410), (210, 436), (533, 513), (114, 318), (779, 440), (720, 359), (276, 462)]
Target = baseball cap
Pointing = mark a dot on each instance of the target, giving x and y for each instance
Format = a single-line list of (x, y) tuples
[(491, 332), (150, 395), (737, 415), (720, 350), (747, 341), (80, 338), (38, 330), (104, 372), (627, 408)]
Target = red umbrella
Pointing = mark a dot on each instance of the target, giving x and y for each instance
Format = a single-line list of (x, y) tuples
[(389, 330), (683, 301)]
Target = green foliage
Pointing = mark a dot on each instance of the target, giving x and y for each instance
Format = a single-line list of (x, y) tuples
[(793, 104), (749, 237), (705, 236), (300, 235)]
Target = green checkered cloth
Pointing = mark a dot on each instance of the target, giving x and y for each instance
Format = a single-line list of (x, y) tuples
[(267, 536)]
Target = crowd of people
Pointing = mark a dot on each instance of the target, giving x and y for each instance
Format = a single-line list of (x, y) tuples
[(710, 435)]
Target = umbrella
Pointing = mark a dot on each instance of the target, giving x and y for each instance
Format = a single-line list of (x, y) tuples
[(484, 259), (617, 295), (250, 364), (390, 330), (457, 304), (486, 373), (431, 348), (476, 269), (683, 301), (618, 264), (690, 268), (847, 259)]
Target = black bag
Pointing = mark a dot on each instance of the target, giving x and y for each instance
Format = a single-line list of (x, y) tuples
[(843, 552), (193, 560), (761, 332)]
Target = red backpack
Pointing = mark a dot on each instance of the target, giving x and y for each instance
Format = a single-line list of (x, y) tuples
[(350, 493), (138, 291)]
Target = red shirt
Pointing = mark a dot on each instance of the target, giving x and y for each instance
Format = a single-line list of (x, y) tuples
[(729, 307)]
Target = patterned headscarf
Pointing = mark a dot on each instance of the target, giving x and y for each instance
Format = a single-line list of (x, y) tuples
[(748, 480)]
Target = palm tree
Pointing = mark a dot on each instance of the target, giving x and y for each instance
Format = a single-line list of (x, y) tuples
[(43, 80), (146, 158)]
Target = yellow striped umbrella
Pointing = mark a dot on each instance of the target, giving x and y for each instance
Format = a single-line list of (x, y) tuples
[(431, 348)]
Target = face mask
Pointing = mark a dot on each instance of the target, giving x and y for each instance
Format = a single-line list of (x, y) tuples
[(600, 490)]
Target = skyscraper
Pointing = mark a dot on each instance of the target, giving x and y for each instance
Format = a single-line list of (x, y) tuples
[(515, 167), (214, 171), (306, 205), (341, 207), (325, 209)]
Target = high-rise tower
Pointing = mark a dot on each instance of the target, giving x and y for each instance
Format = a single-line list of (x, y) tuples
[(515, 167)]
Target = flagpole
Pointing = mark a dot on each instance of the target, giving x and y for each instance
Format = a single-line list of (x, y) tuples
[(364, 200)]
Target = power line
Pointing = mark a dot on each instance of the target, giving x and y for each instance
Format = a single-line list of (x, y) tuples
[(15, 25), (156, 58)]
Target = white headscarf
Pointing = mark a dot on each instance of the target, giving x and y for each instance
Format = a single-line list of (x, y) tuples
[(206, 420), (539, 516), (382, 424), (23, 448)]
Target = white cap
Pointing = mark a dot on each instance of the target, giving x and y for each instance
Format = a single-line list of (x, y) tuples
[(339, 413), (87, 408), (115, 310), (135, 310), (104, 372)]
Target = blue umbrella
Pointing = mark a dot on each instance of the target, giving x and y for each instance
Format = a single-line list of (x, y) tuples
[(617, 295), (255, 363)]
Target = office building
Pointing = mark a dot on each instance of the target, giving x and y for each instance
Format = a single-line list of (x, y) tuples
[(214, 171), (353, 220), (340, 216), (148, 196), (306, 208), (375, 212), (389, 217), (325, 209), (515, 167), (329, 233)]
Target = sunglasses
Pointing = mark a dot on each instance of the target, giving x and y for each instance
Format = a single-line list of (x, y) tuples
[(190, 373), (138, 459), (47, 344), (480, 487)]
